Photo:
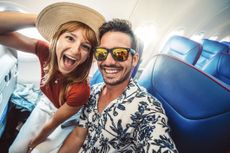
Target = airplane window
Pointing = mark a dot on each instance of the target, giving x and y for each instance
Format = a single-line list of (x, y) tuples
[(198, 37), (215, 37), (147, 33), (226, 39), (179, 32)]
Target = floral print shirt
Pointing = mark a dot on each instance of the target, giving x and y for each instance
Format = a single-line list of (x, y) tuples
[(135, 122)]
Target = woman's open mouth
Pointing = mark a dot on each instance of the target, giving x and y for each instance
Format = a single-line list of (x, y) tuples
[(69, 61)]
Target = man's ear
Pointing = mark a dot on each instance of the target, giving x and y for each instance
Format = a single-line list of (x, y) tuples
[(135, 59)]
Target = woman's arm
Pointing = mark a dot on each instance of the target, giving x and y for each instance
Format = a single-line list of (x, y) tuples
[(63, 113), (74, 141), (12, 21)]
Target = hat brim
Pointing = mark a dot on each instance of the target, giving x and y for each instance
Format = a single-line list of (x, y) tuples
[(54, 15)]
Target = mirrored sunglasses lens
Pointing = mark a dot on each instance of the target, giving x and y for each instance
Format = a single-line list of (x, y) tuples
[(101, 54), (120, 54)]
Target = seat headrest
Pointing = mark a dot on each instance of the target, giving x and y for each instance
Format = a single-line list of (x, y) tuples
[(183, 48), (224, 66), (210, 49), (214, 47), (226, 43), (219, 67)]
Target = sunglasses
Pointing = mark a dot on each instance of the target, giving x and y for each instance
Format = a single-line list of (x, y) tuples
[(118, 53)]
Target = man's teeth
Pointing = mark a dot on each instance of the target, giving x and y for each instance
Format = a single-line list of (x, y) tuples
[(111, 70)]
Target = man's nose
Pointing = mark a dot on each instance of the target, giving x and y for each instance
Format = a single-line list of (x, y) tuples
[(110, 59)]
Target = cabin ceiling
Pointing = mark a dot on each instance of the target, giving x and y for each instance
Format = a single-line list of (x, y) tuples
[(211, 17)]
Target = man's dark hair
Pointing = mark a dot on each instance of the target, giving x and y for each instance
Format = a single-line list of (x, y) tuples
[(119, 25)]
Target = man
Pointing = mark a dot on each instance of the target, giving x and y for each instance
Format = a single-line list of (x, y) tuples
[(120, 115)]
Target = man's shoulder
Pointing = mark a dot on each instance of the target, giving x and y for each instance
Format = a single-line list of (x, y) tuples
[(96, 87), (143, 95)]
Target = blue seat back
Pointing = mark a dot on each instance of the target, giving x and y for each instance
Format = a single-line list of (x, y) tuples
[(197, 104), (226, 43), (210, 49), (97, 78), (183, 48), (219, 67)]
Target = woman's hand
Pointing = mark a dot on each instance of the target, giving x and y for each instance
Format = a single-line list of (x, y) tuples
[(31, 146)]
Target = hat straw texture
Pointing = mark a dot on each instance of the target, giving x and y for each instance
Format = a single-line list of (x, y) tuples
[(54, 15)]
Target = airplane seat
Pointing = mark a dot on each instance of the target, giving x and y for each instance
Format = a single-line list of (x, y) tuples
[(97, 76), (140, 48), (197, 104), (210, 49), (226, 43), (219, 67), (183, 48)]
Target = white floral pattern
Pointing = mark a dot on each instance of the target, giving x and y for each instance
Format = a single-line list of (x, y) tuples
[(134, 122)]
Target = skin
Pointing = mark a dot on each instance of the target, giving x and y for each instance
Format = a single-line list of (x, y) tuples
[(74, 47), (71, 45), (116, 76)]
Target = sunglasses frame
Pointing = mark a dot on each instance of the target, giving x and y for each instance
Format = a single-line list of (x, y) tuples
[(110, 50)]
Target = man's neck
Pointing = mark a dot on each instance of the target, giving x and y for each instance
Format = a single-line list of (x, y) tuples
[(115, 90), (110, 93)]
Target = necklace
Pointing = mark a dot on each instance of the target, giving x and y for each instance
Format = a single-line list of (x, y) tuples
[(56, 81)]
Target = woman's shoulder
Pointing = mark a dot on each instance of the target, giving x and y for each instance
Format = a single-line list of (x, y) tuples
[(80, 84), (79, 87), (41, 45), (42, 50), (78, 94)]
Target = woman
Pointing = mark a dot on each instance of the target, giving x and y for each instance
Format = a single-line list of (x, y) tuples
[(65, 62)]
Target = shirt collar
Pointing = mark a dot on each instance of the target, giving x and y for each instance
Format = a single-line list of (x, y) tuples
[(131, 89)]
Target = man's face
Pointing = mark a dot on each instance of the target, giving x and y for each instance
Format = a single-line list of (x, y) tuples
[(115, 72)]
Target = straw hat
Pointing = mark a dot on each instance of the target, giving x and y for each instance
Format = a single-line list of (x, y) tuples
[(51, 17)]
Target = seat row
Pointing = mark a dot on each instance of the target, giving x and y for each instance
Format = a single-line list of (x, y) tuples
[(192, 81), (196, 103), (210, 56)]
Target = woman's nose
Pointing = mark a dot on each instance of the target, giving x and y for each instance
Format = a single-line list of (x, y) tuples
[(76, 49)]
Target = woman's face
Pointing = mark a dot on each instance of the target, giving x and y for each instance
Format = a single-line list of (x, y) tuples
[(72, 49)]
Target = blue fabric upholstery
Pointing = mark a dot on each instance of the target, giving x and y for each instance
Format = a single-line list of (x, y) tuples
[(219, 67), (210, 49), (183, 48), (140, 48), (226, 43), (97, 78), (197, 104)]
